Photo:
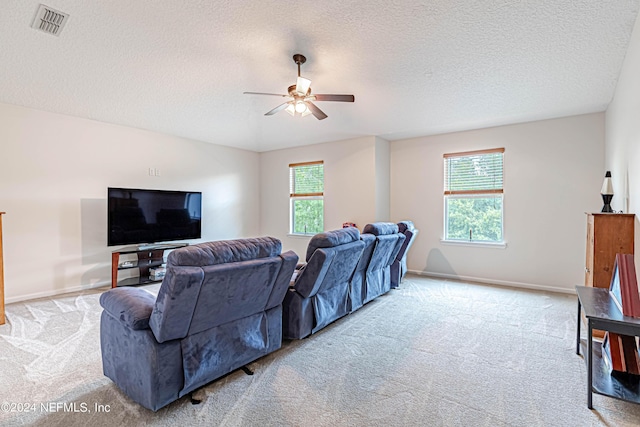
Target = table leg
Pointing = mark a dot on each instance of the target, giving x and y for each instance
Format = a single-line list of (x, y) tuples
[(578, 334), (589, 364)]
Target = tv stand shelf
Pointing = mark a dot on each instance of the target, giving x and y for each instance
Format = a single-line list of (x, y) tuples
[(147, 257), (616, 384)]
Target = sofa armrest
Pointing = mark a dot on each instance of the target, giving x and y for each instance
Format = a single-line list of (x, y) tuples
[(131, 306), (297, 272)]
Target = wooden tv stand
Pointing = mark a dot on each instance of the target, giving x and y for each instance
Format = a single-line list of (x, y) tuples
[(147, 257)]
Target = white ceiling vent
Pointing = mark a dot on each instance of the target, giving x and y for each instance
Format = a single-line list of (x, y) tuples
[(49, 20)]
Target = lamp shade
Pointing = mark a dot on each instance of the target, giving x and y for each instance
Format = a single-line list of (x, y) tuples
[(607, 187)]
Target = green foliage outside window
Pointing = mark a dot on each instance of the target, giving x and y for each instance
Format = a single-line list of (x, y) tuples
[(308, 216), (474, 218)]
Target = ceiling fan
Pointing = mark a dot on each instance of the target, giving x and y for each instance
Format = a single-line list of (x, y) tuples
[(301, 103)]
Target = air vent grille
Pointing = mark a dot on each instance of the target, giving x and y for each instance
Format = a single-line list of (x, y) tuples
[(49, 20)]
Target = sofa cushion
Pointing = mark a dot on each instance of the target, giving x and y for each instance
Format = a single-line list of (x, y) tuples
[(381, 228), (224, 251), (332, 238)]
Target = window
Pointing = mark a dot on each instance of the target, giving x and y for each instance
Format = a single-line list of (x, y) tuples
[(306, 195), (473, 196)]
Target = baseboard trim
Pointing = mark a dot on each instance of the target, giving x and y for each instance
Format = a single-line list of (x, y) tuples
[(493, 282), (46, 294)]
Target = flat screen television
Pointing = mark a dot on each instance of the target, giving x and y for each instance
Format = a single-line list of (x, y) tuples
[(137, 216)]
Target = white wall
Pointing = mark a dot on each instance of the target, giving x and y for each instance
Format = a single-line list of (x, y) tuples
[(553, 174), (623, 136), (383, 180), (349, 187), (54, 174)]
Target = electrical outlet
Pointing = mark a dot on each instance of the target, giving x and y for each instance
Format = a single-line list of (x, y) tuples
[(157, 172), (151, 172)]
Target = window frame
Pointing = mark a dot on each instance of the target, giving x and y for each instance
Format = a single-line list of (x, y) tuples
[(293, 197), (469, 194)]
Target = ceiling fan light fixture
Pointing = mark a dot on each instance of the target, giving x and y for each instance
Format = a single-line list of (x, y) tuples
[(301, 107), (302, 86), (291, 110)]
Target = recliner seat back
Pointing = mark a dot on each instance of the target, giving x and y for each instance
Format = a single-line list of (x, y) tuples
[(387, 246), (213, 291), (320, 294), (358, 281)]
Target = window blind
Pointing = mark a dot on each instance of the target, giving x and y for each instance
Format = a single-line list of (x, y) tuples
[(474, 172), (306, 179)]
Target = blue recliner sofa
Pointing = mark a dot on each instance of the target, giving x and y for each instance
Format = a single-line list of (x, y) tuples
[(218, 308), (376, 278), (399, 266), (320, 293)]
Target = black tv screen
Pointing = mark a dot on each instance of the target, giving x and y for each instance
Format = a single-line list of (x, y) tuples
[(137, 216)]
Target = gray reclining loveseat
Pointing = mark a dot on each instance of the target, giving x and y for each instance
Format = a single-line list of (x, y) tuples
[(219, 307), (320, 293), (375, 279)]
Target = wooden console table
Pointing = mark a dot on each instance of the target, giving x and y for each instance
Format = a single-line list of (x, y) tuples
[(2, 318), (603, 313)]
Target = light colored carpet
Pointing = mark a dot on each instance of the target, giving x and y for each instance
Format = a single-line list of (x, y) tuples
[(432, 353)]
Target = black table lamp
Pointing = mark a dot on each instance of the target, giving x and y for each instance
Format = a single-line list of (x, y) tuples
[(607, 192)]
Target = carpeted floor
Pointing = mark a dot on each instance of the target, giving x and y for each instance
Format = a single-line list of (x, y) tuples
[(432, 353)]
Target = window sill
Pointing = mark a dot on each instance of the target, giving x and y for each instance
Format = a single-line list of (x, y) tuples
[(300, 236), (495, 245)]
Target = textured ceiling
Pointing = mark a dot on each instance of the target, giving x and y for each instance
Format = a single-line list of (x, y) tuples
[(415, 67)]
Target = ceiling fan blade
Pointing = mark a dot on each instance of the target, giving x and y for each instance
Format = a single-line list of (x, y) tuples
[(262, 93), (317, 113), (277, 109), (339, 98)]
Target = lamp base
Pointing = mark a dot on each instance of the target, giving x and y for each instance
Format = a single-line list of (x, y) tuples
[(606, 198)]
